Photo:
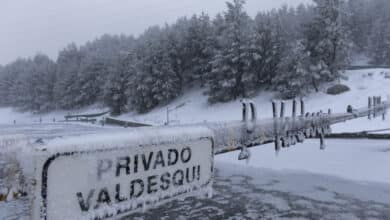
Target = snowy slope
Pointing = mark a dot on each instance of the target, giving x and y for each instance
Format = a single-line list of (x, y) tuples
[(9, 115), (357, 160), (197, 109), (300, 172)]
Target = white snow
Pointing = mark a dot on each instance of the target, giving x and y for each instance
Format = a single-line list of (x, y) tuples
[(197, 109), (9, 115), (361, 161)]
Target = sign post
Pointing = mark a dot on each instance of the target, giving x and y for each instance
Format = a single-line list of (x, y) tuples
[(101, 183)]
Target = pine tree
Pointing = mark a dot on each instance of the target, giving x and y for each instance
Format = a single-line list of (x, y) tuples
[(231, 75), (156, 81), (117, 86), (379, 40), (326, 38), (293, 75), (68, 67), (268, 47), (89, 81), (200, 43), (41, 84)]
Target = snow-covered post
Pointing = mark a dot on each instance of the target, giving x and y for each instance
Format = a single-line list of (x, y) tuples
[(385, 108), (302, 108), (274, 109), (375, 99), (281, 109), (167, 123), (254, 112), (276, 130), (322, 141), (244, 111), (369, 107), (294, 108), (247, 128)]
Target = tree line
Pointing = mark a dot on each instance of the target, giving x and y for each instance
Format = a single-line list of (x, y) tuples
[(289, 50)]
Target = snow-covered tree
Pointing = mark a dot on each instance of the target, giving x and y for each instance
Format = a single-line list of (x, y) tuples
[(89, 81), (268, 44), (200, 46), (41, 85), (326, 38), (359, 23), (379, 43), (117, 88), (156, 81), (293, 78), (68, 66), (231, 76)]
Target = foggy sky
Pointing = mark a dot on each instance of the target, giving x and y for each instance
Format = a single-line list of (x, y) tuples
[(31, 26)]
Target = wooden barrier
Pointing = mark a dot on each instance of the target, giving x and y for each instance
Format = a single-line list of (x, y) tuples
[(122, 123)]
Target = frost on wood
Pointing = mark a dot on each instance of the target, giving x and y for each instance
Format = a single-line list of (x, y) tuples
[(13, 167), (96, 177)]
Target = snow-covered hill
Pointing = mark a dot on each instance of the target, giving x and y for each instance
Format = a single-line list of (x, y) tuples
[(194, 107), (197, 109), (346, 167), (359, 160)]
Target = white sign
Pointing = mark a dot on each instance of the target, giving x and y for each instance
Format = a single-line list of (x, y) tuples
[(104, 183)]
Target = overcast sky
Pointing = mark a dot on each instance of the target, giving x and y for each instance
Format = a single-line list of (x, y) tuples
[(31, 26)]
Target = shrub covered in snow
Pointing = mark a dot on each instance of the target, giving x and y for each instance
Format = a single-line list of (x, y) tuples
[(337, 89)]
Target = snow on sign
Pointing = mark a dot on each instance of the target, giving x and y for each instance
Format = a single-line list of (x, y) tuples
[(102, 182)]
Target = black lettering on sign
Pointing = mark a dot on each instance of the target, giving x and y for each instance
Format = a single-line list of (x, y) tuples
[(178, 178), (103, 167), (118, 196), (151, 184), (103, 198), (84, 204), (123, 163), (186, 155), (136, 164), (141, 186), (173, 157), (148, 161), (165, 180), (188, 175), (159, 160)]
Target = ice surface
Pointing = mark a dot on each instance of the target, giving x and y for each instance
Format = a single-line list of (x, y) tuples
[(359, 160)]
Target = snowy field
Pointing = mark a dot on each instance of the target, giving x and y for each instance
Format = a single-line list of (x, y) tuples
[(349, 180)]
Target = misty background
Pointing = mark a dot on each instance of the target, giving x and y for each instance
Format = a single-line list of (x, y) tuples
[(236, 53), (47, 26)]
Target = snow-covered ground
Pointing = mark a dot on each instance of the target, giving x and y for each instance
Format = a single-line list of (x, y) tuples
[(352, 171), (196, 108), (8, 116), (358, 160)]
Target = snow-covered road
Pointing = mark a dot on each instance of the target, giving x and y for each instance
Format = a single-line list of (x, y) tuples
[(359, 160), (253, 193), (349, 180), (242, 192)]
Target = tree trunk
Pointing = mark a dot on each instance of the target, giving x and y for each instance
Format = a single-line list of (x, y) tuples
[(315, 86)]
